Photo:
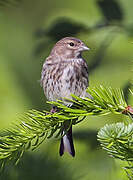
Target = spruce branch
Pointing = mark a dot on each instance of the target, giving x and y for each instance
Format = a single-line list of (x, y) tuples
[(117, 140), (33, 129), (35, 126), (101, 101)]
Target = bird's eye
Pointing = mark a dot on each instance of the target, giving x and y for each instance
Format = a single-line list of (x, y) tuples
[(71, 44)]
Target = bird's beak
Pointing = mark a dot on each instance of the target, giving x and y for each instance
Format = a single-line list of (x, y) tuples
[(84, 48)]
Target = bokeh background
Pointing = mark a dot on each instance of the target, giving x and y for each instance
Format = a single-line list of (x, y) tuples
[(28, 31)]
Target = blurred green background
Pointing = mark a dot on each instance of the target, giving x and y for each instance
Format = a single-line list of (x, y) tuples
[(28, 31)]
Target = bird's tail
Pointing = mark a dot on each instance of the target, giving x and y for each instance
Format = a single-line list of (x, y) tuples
[(66, 144)]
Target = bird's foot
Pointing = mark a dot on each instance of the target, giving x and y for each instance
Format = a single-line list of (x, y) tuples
[(54, 110)]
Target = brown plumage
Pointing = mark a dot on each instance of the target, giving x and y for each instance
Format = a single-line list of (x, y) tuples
[(64, 73)]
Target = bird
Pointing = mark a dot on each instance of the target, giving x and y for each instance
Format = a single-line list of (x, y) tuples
[(65, 72)]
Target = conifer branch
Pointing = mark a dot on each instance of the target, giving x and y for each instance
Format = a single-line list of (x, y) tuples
[(117, 140), (101, 101), (35, 126)]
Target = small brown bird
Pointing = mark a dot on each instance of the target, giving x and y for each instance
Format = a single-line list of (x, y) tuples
[(65, 72)]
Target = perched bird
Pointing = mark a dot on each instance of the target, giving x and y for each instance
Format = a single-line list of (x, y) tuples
[(65, 72)]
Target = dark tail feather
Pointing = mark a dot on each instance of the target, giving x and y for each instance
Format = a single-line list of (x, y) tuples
[(66, 144)]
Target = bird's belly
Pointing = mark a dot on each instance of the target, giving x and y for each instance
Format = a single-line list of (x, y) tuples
[(65, 84)]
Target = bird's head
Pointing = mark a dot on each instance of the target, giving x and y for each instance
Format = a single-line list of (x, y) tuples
[(69, 47)]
